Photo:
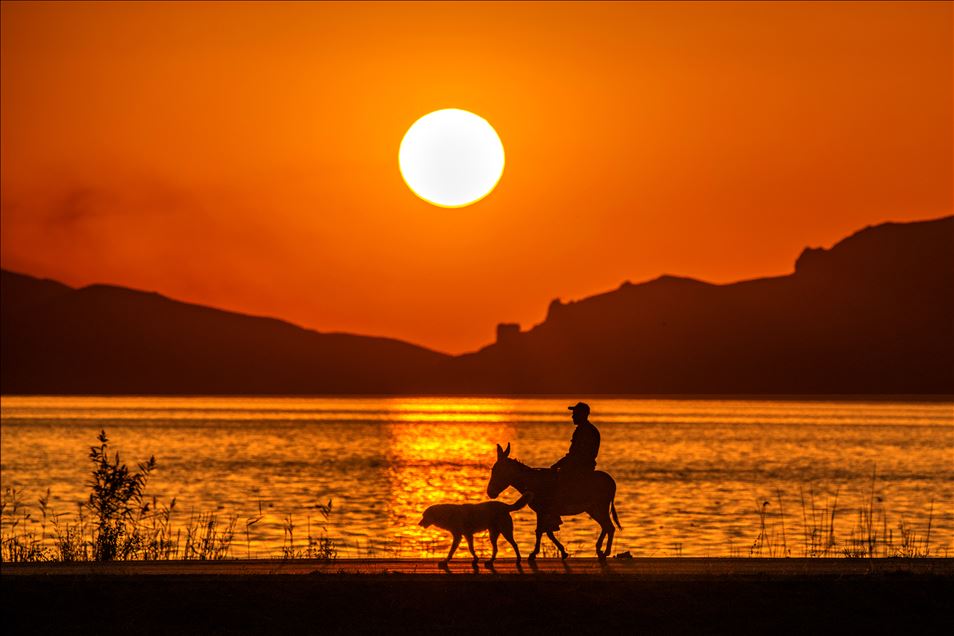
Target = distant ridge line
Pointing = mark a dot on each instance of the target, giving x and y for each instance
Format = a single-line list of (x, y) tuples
[(871, 316)]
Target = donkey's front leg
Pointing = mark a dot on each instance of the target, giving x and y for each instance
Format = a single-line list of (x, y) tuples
[(536, 547), (556, 542)]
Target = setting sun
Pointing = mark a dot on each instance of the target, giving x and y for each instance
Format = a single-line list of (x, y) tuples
[(451, 158)]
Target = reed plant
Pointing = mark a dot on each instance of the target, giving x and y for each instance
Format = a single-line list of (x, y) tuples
[(315, 546), (20, 541), (69, 541), (208, 538), (818, 523), (249, 522), (154, 525), (114, 500), (770, 542)]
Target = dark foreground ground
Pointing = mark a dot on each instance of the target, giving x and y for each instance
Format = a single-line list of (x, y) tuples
[(664, 596)]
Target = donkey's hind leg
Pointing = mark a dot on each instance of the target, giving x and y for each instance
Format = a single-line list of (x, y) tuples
[(610, 533), (536, 548), (607, 531), (599, 545), (556, 542)]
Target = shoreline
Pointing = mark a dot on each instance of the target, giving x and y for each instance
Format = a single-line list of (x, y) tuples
[(876, 398), (643, 568)]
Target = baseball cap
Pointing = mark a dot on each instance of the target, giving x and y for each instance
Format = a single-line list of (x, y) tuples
[(580, 406)]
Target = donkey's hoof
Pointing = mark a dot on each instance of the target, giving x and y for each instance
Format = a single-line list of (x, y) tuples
[(442, 564), (531, 558), (489, 564), (564, 555)]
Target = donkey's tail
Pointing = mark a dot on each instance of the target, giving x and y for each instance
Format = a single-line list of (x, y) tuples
[(613, 510), (523, 501)]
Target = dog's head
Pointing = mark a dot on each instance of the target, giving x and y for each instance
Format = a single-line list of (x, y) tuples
[(440, 515), (427, 519)]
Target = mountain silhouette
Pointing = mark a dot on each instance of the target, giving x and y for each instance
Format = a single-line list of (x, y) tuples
[(105, 339), (872, 315)]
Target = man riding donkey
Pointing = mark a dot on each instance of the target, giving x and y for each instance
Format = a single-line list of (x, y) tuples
[(571, 486)]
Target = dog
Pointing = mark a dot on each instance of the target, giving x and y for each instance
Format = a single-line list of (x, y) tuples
[(463, 520)]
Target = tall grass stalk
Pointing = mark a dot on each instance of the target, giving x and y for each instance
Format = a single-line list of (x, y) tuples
[(781, 513), (251, 521)]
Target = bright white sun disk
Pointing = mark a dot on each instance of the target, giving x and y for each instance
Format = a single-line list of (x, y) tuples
[(451, 158)]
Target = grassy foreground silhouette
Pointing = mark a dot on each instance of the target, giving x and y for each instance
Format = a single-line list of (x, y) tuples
[(118, 522)]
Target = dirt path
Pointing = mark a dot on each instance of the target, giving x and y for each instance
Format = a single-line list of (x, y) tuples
[(637, 596)]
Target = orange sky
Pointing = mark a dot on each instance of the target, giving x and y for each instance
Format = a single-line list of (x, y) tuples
[(245, 156)]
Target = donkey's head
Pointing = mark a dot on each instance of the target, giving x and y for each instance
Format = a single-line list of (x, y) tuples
[(502, 474)]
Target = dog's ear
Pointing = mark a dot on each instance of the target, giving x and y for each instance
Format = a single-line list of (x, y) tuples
[(500, 452), (506, 453)]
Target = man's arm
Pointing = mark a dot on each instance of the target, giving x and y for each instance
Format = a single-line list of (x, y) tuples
[(574, 450)]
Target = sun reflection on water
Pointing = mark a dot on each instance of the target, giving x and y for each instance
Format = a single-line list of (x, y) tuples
[(438, 453)]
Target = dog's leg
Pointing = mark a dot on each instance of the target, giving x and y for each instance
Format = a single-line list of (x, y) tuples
[(563, 553), (470, 544), (493, 543), (508, 535), (450, 555)]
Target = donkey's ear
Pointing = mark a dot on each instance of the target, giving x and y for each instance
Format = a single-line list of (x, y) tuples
[(500, 452), (506, 453)]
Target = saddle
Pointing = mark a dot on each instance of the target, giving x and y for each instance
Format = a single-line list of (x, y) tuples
[(559, 486)]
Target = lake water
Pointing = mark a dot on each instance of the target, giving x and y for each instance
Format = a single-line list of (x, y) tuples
[(693, 475)]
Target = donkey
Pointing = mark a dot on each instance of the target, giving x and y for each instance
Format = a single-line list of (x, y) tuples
[(593, 493)]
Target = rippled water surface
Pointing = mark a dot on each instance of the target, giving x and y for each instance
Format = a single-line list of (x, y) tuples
[(692, 476)]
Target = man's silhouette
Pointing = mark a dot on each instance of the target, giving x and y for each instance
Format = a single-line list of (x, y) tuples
[(570, 470), (584, 445)]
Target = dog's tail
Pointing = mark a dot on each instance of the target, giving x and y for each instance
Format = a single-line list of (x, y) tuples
[(523, 501), (613, 510)]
